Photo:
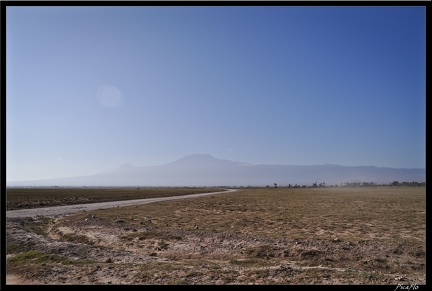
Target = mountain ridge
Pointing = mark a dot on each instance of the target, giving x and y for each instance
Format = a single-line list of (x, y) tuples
[(206, 170)]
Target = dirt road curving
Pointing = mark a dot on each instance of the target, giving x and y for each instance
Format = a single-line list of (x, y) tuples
[(245, 238), (58, 211), (70, 209)]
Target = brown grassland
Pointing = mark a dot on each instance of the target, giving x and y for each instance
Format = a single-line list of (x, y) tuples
[(311, 236)]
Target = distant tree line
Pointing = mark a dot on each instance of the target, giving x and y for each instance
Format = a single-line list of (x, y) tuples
[(394, 183), (356, 184), (346, 184), (397, 183)]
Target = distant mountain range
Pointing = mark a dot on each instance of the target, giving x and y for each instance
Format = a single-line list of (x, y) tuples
[(205, 170)]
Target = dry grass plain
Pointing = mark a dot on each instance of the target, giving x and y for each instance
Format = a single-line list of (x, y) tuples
[(271, 236)]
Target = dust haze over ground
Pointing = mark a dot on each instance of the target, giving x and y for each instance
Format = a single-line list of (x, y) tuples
[(244, 237)]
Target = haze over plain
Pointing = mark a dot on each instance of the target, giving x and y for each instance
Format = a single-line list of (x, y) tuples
[(92, 88), (201, 170)]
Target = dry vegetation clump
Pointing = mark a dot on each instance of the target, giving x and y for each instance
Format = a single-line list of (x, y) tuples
[(373, 235)]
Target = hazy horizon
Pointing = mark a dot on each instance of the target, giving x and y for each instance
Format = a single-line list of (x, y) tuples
[(204, 170), (92, 88), (131, 166)]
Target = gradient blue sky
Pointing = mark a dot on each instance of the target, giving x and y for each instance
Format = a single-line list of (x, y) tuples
[(91, 88)]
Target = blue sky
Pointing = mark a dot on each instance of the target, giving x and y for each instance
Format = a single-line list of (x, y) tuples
[(91, 88)]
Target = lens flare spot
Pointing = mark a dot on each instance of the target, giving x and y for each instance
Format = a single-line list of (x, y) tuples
[(110, 96)]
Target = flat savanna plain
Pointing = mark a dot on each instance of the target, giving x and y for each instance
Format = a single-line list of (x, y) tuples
[(331, 235)]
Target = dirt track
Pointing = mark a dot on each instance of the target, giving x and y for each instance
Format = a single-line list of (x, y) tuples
[(57, 211), (16, 216), (152, 253)]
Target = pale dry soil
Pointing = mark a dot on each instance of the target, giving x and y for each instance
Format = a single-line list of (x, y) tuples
[(98, 247)]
